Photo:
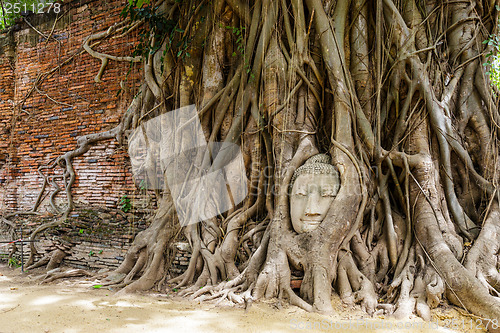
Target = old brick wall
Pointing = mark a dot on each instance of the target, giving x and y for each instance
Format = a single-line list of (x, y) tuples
[(66, 104), (92, 237)]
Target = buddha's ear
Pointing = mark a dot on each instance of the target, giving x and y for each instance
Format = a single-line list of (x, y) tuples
[(337, 187)]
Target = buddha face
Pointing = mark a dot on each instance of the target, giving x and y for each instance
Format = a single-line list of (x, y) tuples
[(311, 197)]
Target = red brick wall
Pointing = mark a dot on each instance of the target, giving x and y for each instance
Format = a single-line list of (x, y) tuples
[(67, 104)]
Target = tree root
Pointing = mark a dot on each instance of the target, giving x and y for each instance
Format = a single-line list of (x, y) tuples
[(57, 274), (354, 286), (52, 260), (482, 259), (116, 28)]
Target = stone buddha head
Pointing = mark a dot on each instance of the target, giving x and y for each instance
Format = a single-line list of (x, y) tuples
[(313, 188)]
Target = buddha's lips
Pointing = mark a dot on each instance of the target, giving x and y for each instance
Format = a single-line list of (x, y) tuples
[(311, 221)]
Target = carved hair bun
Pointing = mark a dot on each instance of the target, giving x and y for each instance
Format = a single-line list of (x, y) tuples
[(319, 164)]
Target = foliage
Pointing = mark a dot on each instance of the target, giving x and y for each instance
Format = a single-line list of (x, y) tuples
[(157, 26), (239, 32), (125, 204), (13, 262), (492, 63), (157, 30)]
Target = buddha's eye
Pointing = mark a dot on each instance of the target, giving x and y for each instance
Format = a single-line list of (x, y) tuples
[(301, 193)]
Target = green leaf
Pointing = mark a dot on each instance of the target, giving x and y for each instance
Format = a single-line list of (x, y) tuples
[(140, 3), (98, 286)]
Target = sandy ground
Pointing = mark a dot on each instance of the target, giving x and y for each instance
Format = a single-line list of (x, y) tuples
[(73, 306)]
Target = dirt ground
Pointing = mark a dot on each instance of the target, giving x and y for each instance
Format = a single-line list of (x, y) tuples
[(73, 306)]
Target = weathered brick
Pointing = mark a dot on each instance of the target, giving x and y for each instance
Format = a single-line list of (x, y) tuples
[(52, 128)]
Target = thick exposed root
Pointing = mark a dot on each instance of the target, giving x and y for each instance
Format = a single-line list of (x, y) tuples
[(52, 260), (57, 274), (482, 259), (149, 257), (354, 286)]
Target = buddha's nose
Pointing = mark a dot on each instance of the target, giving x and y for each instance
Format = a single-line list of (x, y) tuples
[(312, 205)]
